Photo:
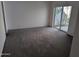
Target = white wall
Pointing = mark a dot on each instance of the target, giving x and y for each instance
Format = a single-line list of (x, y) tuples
[(75, 42), (73, 20), (26, 14), (2, 30)]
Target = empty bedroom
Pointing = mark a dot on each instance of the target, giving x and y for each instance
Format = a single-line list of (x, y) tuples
[(39, 28)]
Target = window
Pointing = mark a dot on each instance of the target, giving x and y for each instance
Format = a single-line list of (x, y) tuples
[(62, 17)]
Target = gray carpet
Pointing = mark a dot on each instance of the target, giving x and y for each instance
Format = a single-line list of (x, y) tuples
[(37, 42)]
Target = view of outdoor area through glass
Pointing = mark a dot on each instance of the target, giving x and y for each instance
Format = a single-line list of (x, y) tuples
[(62, 17)]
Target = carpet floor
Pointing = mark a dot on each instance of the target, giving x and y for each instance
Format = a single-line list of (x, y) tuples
[(37, 42)]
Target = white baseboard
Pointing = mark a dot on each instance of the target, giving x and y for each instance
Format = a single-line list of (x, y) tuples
[(2, 41)]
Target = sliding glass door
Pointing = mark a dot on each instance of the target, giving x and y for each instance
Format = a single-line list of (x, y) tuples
[(58, 13), (62, 17)]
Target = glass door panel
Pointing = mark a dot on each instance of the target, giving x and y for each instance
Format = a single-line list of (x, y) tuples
[(58, 11), (65, 18)]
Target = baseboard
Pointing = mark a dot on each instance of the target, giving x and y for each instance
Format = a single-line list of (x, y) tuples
[(67, 33), (2, 44), (27, 28)]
